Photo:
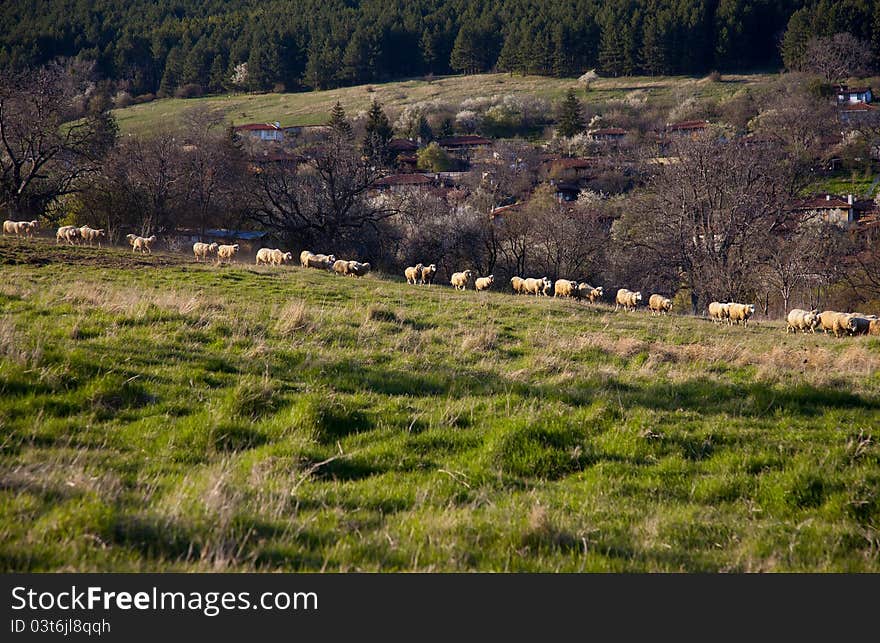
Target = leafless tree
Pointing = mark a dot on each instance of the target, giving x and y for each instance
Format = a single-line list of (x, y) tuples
[(837, 57), (708, 214), (43, 156)]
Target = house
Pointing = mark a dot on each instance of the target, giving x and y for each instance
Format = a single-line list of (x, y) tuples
[(461, 147), (853, 94), (400, 182), (686, 128), (831, 208), (607, 134), (577, 169), (261, 131), (403, 152)]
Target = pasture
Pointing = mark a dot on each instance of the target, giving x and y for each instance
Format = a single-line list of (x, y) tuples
[(160, 415)]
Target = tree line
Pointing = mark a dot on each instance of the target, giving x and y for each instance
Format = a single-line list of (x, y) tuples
[(165, 46)]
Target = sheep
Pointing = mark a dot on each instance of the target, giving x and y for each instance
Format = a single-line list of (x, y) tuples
[(131, 238), (413, 274), (19, 228), (518, 285), (311, 260), (461, 280), (874, 327), (859, 324), (484, 283), (92, 234), (532, 286), (144, 244), (718, 312), (67, 233), (340, 267), (428, 273), (204, 250), (844, 324), (272, 256), (565, 288), (628, 299), (659, 305), (586, 291), (802, 320), (226, 252), (740, 313), (358, 269)]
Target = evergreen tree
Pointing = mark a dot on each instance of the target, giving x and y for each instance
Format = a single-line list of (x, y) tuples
[(794, 42), (571, 121), (338, 122), (467, 54), (428, 49), (653, 52), (377, 134), (264, 62), (446, 128), (217, 80), (426, 134), (173, 71)]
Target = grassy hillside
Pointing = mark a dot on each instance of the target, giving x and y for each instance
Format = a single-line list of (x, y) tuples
[(310, 108), (161, 415)]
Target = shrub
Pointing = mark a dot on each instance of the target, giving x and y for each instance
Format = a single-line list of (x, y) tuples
[(190, 90)]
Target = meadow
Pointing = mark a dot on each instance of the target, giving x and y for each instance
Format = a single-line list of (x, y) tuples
[(160, 415), (313, 108)]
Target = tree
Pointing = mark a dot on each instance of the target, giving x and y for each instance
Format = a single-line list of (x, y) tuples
[(468, 52), (711, 216), (377, 135), (837, 57), (339, 123), (434, 159), (43, 155), (571, 121)]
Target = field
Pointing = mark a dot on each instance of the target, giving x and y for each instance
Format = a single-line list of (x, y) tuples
[(157, 414), (312, 108)]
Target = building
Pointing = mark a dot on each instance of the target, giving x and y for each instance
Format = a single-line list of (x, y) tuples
[(686, 128), (853, 94), (261, 131), (462, 147), (400, 182), (607, 134), (854, 112), (831, 208)]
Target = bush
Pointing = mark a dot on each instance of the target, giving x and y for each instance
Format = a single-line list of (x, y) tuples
[(434, 159), (190, 90), (279, 88)]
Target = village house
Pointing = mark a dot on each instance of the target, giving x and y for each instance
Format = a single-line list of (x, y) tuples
[(854, 112), (403, 152), (686, 128), (853, 94), (829, 208), (462, 147), (607, 134), (261, 131)]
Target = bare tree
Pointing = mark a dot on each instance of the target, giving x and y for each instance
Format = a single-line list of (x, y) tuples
[(837, 57), (44, 155), (708, 214)]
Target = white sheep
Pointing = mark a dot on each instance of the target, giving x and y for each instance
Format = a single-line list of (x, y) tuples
[(659, 305), (92, 234), (310, 260), (273, 256), (428, 273), (628, 299), (413, 274), (719, 312), (226, 252), (565, 288), (358, 269), (67, 233), (802, 320), (204, 250), (461, 280), (484, 283), (20, 228), (144, 244), (740, 313)]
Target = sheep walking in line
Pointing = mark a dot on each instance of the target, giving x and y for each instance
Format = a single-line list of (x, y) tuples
[(273, 256), (628, 299), (461, 280), (142, 244), (428, 273), (92, 234), (20, 228), (586, 291), (484, 283), (226, 252), (68, 234), (413, 274), (659, 305), (204, 250)]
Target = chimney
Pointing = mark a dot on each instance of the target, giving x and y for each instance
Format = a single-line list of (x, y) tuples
[(827, 197), (849, 199), (278, 124)]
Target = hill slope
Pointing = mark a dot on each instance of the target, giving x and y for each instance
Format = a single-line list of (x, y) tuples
[(312, 108), (178, 417)]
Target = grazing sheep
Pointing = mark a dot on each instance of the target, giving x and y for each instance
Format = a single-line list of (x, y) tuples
[(718, 312), (144, 244), (628, 299), (92, 234), (19, 228), (272, 256), (484, 283), (428, 273), (859, 325), (340, 267), (67, 233), (844, 324), (740, 313), (413, 274), (226, 252), (802, 320), (586, 291), (659, 305), (518, 285), (204, 250), (131, 238), (311, 260), (565, 288), (358, 269), (874, 327), (461, 280)]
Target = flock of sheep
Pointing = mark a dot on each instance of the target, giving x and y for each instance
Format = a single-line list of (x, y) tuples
[(730, 313)]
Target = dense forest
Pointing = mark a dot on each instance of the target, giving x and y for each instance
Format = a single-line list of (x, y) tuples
[(159, 46)]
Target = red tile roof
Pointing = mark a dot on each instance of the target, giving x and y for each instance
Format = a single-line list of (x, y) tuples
[(822, 202), (463, 141), (402, 145), (403, 179), (857, 107)]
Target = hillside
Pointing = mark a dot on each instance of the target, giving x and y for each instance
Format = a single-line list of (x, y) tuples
[(311, 108), (163, 415)]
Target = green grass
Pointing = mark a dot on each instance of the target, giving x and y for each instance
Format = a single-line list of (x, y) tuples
[(161, 415), (855, 183), (312, 108)]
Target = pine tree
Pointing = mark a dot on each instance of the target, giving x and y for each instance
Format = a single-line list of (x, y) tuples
[(466, 53), (173, 70), (428, 49), (217, 75), (446, 129), (571, 121), (426, 134), (338, 122), (377, 134), (653, 52)]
